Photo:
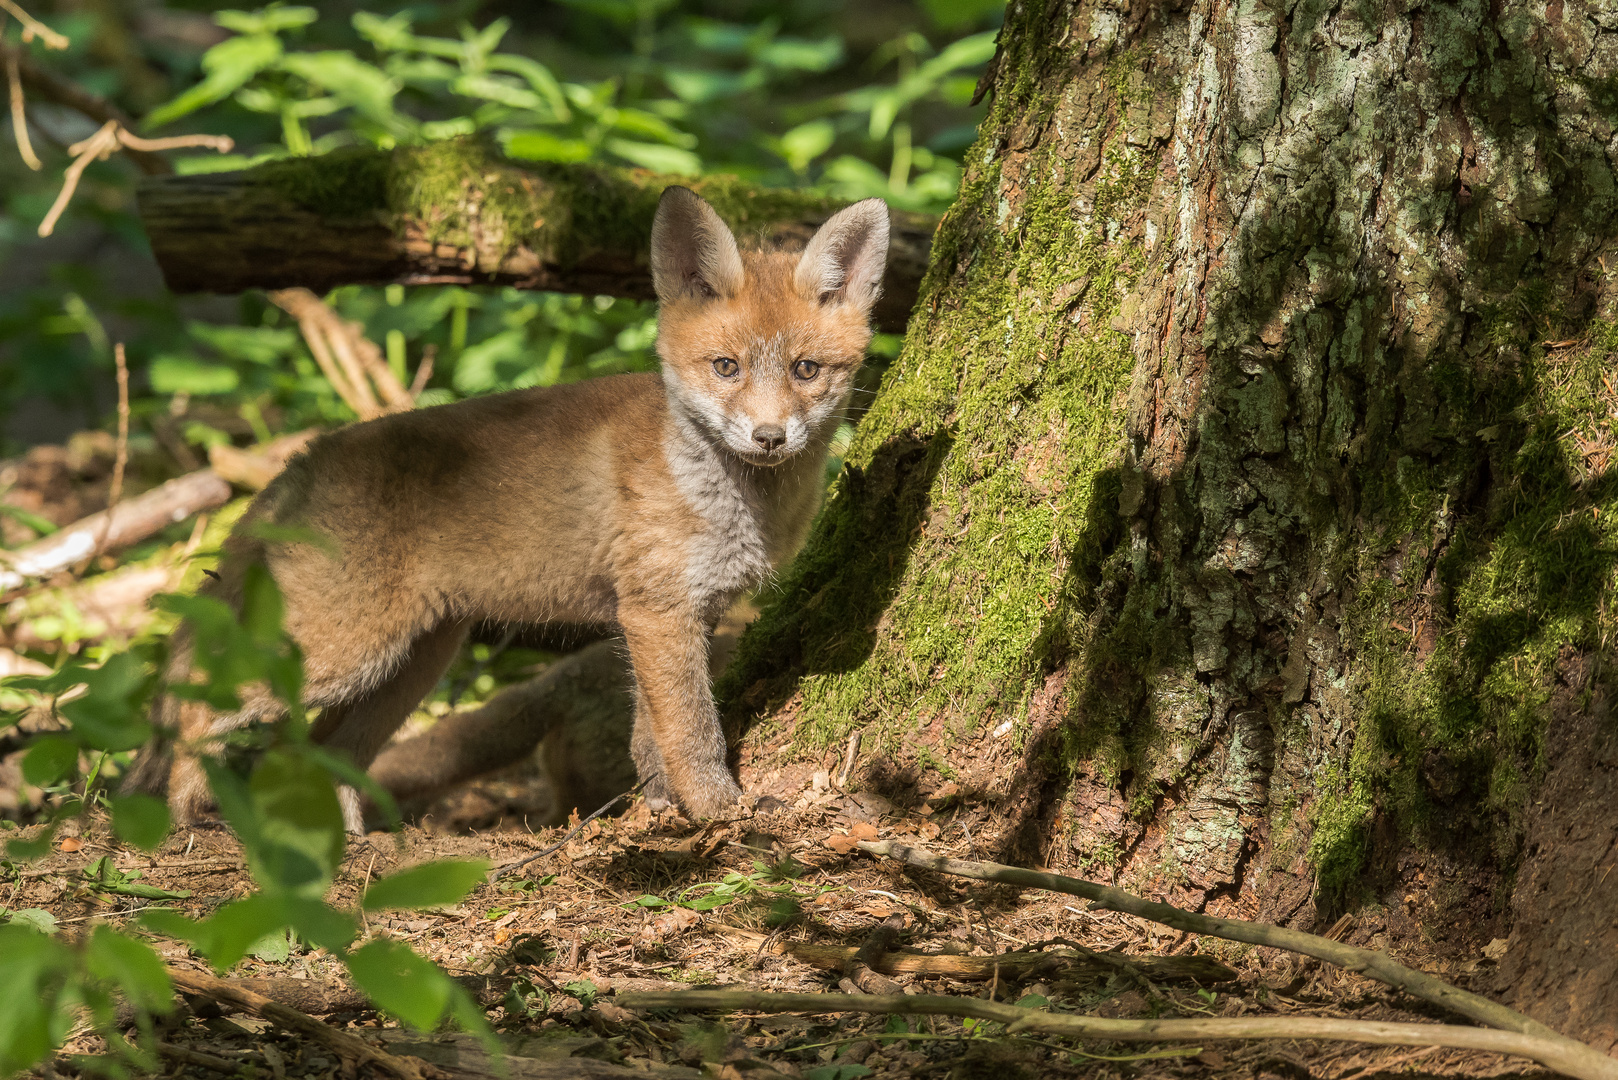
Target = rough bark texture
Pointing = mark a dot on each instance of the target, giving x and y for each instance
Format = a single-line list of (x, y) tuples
[(1243, 487), (458, 212)]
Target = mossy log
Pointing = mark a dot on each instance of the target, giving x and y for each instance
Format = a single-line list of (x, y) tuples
[(457, 212), (1239, 519)]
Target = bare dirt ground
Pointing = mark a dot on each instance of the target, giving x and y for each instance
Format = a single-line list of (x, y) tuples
[(548, 949)]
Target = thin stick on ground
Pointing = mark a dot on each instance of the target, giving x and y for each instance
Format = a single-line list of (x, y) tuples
[(1556, 1054), (571, 833), (121, 454), (187, 1056), (348, 1047), (1376, 965)]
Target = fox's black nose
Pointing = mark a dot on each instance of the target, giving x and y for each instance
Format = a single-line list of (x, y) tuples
[(770, 437)]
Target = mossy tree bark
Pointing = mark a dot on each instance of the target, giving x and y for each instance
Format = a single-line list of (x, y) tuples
[(1241, 497)]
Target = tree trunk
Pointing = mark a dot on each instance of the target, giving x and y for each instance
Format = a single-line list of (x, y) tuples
[(455, 212), (1238, 520)]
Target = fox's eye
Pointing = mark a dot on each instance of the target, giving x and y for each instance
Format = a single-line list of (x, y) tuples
[(806, 369), (725, 367)]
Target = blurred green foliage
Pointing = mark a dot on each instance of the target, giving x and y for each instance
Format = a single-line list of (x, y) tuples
[(857, 99), (284, 809)]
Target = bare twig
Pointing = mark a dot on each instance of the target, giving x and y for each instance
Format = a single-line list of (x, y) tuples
[(850, 756), (350, 1048), (222, 143), (424, 371), (53, 87), (32, 28), (121, 455), (19, 113), (107, 141), (188, 1056), (100, 145), (571, 833), (351, 362), (1376, 965), (1558, 1054)]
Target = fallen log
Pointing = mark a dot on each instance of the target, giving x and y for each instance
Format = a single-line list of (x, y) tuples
[(458, 212), (127, 523)]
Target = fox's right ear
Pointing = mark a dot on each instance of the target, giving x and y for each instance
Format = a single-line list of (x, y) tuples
[(693, 251)]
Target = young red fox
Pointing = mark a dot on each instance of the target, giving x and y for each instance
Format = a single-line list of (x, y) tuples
[(648, 502)]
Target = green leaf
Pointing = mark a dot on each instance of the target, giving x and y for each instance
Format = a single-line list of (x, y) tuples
[(583, 989), (658, 158), (352, 81), (111, 715), (709, 902), (29, 850), (32, 970), (42, 526), (320, 924), (266, 20), (950, 14), (400, 982), (132, 967), (50, 758), (434, 884), (272, 948), (143, 820), (299, 824), (176, 373), (230, 932), (38, 918), (648, 900), (229, 66), (806, 142)]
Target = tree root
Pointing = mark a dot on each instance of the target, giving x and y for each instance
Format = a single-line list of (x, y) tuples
[(1555, 1054), (1573, 1058)]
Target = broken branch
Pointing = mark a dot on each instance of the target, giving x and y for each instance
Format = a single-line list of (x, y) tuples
[(1376, 965), (351, 362), (124, 524), (1558, 1054)]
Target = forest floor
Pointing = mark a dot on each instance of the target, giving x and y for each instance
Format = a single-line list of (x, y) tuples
[(548, 948)]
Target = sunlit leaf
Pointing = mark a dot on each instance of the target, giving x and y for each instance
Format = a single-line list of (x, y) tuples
[(50, 758), (434, 884), (402, 983), (132, 967), (229, 65)]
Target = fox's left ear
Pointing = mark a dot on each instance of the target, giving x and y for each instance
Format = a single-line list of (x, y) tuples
[(843, 264)]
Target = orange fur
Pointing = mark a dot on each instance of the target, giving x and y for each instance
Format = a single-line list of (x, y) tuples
[(645, 502)]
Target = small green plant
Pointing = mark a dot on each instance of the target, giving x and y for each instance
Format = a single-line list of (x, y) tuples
[(284, 810)]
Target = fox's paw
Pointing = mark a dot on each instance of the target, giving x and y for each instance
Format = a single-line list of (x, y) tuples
[(712, 797)]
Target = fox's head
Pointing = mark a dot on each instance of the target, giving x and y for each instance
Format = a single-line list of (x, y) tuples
[(760, 348)]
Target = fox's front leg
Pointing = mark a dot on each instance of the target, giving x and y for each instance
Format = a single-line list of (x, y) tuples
[(677, 734)]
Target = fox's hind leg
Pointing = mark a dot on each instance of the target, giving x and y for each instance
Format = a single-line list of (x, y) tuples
[(359, 727)]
